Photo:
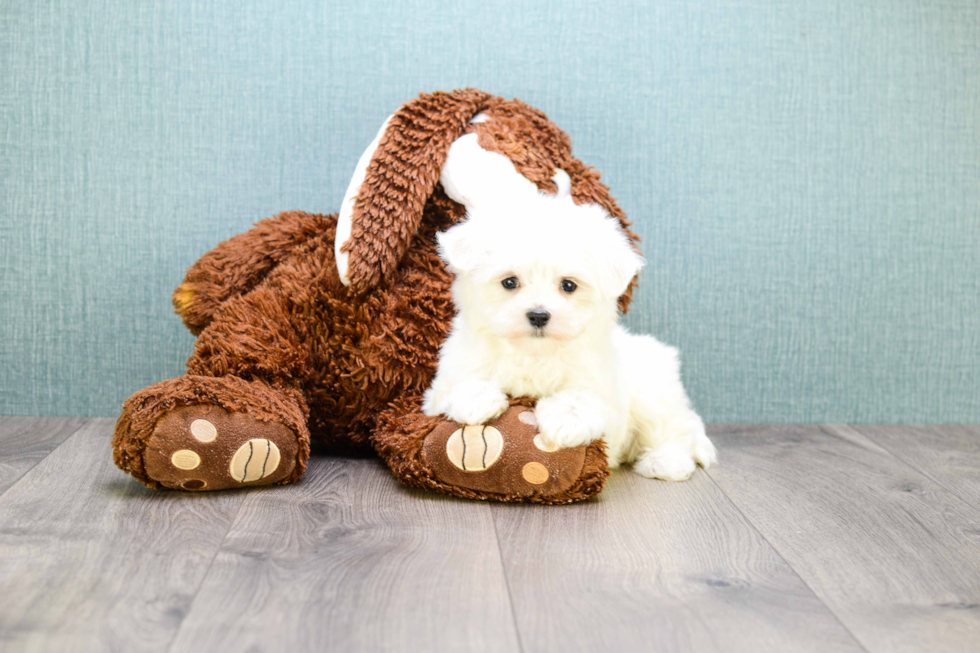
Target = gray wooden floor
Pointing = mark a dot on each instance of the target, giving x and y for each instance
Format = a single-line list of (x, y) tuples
[(816, 537)]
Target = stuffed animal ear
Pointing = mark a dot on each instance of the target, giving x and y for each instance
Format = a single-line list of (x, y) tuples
[(395, 177)]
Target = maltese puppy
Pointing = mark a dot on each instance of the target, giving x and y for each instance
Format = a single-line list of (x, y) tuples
[(536, 293)]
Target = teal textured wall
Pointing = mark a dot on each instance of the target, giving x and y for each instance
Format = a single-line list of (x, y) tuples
[(805, 175)]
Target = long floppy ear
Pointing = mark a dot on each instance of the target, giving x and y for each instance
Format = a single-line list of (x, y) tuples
[(395, 177)]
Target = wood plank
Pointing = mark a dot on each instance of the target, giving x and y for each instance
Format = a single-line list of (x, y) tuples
[(894, 555), (949, 454), (91, 560), (659, 566), (25, 441), (352, 561)]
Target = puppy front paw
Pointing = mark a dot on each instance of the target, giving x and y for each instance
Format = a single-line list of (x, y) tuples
[(569, 420), (475, 402)]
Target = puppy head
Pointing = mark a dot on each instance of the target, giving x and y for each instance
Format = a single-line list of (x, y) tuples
[(547, 268)]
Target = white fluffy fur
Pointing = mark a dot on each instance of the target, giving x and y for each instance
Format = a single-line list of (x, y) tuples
[(591, 377)]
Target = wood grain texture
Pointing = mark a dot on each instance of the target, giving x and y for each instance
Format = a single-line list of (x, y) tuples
[(949, 454), (25, 441), (90, 560), (891, 552), (804, 538), (349, 560), (659, 566)]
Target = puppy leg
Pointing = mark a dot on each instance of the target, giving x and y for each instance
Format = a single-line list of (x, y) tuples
[(571, 418), (467, 402), (672, 451), (670, 437)]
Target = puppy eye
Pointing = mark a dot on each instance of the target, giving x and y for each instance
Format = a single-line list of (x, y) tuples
[(510, 283), (568, 285)]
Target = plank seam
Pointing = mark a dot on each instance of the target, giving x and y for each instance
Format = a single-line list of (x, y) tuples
[(786, 562), (85, 422), (503, 570), (207, 573), (939, 483)]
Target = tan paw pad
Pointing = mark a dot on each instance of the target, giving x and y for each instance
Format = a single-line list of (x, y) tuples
[(543, 444), (185, 459), (254, 460), (535, 473), (203, 430), (474, 448)]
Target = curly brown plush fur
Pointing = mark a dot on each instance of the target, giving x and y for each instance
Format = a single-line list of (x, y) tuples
[(281, 338)]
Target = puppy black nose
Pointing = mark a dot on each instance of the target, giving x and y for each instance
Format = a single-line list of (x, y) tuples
[(538, 317)]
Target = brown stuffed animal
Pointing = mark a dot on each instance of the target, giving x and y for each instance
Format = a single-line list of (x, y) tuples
[(330, 325)]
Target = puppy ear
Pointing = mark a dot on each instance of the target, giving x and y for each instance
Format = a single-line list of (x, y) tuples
[(620, 262), (460, 247)]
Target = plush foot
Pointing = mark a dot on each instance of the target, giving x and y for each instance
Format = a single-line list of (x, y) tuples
[(202, 433), (503, 459), (206, 447)]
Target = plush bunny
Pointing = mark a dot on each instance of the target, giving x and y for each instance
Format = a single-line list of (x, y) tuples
[(330, 325)]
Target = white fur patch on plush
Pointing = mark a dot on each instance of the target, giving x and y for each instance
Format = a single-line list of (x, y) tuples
[(344, 224), (475, 177), (564, 183), (481, 180)]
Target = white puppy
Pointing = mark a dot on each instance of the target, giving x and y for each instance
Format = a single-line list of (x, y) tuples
[(536, 292)]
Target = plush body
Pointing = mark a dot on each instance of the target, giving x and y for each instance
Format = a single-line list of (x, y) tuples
[(329, 327)]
